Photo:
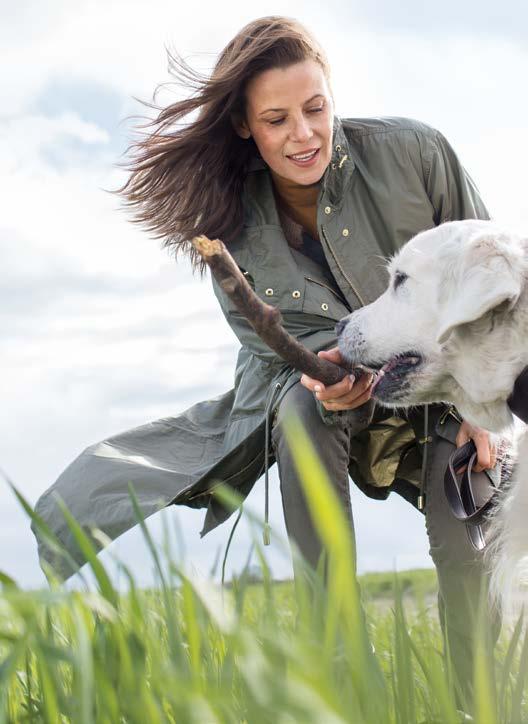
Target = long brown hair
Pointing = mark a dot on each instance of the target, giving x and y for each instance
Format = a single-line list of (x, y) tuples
[(188, 180)]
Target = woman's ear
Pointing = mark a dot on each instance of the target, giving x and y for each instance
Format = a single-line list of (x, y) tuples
[(241, 127)]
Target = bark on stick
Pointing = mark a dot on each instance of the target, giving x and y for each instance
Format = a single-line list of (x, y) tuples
[(265, 319)]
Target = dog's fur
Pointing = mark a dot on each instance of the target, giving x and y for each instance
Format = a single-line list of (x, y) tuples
[(453, 326)]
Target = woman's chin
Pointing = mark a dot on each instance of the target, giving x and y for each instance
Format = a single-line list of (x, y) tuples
[(305, 177)]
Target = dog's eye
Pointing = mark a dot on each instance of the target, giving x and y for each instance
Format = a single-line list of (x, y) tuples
[(399, 278)]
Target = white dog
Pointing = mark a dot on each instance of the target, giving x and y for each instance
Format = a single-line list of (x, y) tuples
[(453, 326)]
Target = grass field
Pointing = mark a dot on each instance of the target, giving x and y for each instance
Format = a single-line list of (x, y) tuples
[(262, 654), (190, 652)]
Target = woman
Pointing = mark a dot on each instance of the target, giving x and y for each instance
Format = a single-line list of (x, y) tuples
[(307, 204)]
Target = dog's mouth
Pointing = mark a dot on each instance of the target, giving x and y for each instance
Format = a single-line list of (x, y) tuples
[(392, 377)]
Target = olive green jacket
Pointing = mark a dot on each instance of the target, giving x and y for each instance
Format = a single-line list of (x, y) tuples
[(388, 179)]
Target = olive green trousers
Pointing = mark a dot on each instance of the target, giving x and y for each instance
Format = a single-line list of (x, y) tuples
[(461, 575)]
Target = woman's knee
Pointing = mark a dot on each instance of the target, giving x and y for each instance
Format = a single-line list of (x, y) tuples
[(299, 402), (329, 441)]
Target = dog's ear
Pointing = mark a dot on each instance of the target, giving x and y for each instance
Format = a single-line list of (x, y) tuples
[(489, 274)]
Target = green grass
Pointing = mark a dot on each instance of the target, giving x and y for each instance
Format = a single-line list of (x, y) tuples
[(181, 655), (273, 652), (419, 583)]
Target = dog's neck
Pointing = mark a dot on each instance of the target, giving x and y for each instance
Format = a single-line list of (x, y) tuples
[(518, 400)]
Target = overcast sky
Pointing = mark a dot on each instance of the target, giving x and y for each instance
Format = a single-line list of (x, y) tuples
[(100, 329)]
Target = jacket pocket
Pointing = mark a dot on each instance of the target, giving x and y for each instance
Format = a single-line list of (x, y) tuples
[(321, 299)]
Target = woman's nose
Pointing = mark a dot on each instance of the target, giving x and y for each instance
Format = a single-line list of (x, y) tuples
[(301, 131)]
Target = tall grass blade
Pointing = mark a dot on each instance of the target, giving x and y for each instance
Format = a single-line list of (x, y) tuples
[(146, 535), (438, 689), (90, 554), (6, 581), (44, 530), (519, 690), (174, 635), (403, 667), (485, 697), (507, 665), (345, 605), (84, 671)]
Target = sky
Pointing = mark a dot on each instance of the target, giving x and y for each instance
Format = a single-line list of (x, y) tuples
[(100, 329)]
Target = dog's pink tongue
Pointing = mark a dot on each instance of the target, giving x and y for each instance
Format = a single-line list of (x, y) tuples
[(390, 365), (387, 367)]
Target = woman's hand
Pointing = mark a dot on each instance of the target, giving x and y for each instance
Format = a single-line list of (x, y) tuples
[(484, 442), (344, 395)]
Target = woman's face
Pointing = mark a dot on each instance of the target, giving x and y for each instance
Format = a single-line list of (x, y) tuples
[(289, 114)]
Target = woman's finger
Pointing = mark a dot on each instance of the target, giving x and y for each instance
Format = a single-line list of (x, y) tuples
[(487, 460), (326, 392), (337, 391), (345, 391), (334, 355), (483, 445), (462, 437), (310, 383), (336, 405)]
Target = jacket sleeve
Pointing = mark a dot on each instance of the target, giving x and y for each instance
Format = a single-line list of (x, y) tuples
[(450, 188)]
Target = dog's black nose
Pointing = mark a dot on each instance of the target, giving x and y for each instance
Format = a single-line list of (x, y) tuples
[(340, 326)]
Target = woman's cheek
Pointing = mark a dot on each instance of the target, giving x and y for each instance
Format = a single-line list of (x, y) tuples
[(266, 143), (272, 150)]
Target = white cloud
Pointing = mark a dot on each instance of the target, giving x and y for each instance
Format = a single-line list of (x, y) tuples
[(24, 138)]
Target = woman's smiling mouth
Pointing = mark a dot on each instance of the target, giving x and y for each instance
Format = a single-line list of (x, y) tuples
[(305, 159)]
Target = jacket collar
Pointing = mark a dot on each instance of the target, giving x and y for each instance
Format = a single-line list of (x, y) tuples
[(339, 170), (518, 400)]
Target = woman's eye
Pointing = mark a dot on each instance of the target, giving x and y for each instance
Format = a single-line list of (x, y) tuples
[(278, 121)]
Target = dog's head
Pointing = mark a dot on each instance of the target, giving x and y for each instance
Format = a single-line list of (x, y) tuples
[(450, 326)]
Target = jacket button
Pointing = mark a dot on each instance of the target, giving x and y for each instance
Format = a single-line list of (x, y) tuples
[(269, 292), (296, 294), (324, 307), (345, 232), (328, 210)]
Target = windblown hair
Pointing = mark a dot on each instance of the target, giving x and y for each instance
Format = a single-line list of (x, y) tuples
[(187, 178)]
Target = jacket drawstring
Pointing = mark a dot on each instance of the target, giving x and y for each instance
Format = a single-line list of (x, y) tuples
[(266, 533), (425, 442), (229, 542)]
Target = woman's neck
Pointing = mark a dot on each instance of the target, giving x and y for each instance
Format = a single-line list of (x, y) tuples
[(298, 201)]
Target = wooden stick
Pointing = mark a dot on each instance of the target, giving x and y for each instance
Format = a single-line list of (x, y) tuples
[(265, 319)]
